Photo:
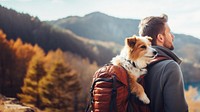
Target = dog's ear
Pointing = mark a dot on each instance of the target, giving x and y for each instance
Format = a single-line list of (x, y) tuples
[(149, 38), (131, 41)]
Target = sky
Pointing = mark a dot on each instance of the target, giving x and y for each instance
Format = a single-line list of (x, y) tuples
[(184, 15)]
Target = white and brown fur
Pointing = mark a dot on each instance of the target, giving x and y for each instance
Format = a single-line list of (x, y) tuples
[(137, 50)]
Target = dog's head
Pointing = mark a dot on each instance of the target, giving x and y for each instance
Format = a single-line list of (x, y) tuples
[(139, 49)]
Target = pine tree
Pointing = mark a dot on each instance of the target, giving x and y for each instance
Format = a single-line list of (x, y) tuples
[(24, 53), (59, 87), (30, 89)]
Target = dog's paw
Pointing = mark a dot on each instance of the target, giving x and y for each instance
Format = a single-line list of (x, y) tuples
[(144, 98)]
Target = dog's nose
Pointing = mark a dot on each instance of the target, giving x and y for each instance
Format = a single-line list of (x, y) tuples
[(155, 52)]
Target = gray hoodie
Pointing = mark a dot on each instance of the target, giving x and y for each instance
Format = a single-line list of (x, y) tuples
[(164, 84)]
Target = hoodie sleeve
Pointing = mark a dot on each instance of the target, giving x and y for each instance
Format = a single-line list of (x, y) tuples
[(173, 89)]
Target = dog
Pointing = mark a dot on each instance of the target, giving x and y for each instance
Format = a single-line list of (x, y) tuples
[(134, 57)]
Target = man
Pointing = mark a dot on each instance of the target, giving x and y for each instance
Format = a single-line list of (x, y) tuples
[(164, 82)]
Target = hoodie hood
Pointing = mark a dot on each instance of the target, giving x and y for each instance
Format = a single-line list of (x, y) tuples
[(162, 51)]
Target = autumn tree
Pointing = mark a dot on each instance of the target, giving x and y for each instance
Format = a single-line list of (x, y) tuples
[(59, 87), (30, 89), (24, 53), (7, 60), (191, 97), (14, 60)]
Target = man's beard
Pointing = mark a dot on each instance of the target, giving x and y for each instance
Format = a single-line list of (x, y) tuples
[(171, 47)]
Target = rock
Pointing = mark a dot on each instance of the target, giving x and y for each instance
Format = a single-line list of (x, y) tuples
[(13, 105)]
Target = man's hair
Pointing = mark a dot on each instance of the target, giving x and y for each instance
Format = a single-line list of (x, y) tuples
[(152, 26)]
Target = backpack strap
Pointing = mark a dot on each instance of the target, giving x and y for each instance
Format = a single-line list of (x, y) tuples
[(113, 104)]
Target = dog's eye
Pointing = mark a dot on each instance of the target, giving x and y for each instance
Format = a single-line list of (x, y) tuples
[(143, 47)]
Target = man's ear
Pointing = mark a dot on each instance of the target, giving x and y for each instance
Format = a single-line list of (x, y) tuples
[(160, 38), (130, 41)]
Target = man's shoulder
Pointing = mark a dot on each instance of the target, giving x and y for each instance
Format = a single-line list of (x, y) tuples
[(167, 68), (161, 61), (164, 65)]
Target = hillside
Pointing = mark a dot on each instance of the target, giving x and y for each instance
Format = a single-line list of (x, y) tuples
[(91, 36), (32, 30), (94, 37), (100, 26)]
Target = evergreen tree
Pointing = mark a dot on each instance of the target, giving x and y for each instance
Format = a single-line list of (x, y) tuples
[(59, 87), (30, 89), (24, 53)]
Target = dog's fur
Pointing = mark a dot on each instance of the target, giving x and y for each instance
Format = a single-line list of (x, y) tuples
[(137, 50)]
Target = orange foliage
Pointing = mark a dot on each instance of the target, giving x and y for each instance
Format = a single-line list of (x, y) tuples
[(193, 102), (7, 64), (24, 51), (14, 59), (2, 35)]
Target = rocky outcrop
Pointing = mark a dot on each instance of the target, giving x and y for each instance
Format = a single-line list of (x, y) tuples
[(13, 105)]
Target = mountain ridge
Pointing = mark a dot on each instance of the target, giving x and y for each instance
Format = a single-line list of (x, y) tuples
[(107, 28), (110, 28), (105, 36), (32, 30)]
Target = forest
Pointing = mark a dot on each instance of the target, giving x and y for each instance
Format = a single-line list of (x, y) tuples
[(50, 81), (51, 68)]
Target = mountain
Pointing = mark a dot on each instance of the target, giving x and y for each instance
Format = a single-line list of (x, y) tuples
[(187, 47), (99, 26), (32, 30), (102, 27), (95, 36)]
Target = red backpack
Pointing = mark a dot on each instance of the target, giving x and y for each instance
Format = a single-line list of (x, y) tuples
[(110, 91)]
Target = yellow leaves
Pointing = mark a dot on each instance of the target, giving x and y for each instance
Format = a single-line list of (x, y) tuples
[(39, 51), (18, 43), (55, 56), (27, 98), (3, 39), (48, 78), (193, 102), (2, 35), (45, 101)]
